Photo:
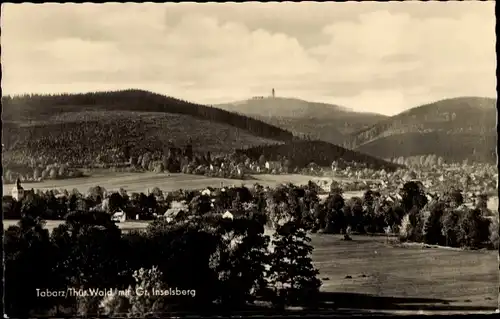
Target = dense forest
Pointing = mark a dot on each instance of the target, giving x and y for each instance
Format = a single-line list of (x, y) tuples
[(302, 153), (33, 107), (81, 137), (453, 148), (455, 129)]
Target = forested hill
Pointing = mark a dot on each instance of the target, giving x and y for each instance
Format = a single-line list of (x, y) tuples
[(327, 122), (40, 107), (456, 129)]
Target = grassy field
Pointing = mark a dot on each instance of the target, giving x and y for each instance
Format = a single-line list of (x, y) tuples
[(141, 182), (405, 278)]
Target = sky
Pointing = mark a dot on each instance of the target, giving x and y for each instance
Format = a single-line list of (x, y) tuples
[(370, 57)]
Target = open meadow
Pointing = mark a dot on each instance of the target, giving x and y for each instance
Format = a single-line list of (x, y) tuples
[(390, 277), (141, 182)]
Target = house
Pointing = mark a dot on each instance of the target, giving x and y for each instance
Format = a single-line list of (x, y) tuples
[(18, 191), (173, 213), (227, 215), (119, 216)]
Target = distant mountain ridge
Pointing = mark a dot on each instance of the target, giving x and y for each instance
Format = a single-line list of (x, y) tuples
[(327, 122), (456, 129)]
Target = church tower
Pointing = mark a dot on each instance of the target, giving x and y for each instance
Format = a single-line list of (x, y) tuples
[(18, 191), (273, 93)]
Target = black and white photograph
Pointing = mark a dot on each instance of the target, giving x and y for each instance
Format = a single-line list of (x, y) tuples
[(279, 159)]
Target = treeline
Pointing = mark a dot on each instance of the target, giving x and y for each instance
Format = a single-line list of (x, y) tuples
[(302, 153), (428, 161), (214, 261), (33, 106), (39, 173), (442, 220)]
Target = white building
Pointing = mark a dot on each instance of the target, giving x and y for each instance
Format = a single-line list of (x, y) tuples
[(119, 216)]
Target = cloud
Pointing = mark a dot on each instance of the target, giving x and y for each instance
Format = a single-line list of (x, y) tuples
[(377, 57)]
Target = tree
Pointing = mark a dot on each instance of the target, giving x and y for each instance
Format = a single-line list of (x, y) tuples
[(11, 208), (450, 221), (96, 194), (33, 206), (139, 305), (355, 205), (146, 160), (53, 173), (493, 232), (472, 229), (440, 161), (433, 226), (482, 202), (116, 202), (126, 151), (262, 160), (45, 174), (26, 245), (62, 170), (335, 218), (37, 173), (413, 196), (292, 274), (454, 197), (133, 161), (90, 253), (242, 257)]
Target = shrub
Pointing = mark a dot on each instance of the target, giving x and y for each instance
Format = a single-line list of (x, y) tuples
[(470, 228), (405, 229), (412, 226)]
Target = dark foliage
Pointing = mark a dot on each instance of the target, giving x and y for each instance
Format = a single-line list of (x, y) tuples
[(455, 129), (302, 153), (28, 106)]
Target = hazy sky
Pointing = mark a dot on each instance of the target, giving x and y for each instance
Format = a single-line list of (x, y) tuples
[(378, 57)]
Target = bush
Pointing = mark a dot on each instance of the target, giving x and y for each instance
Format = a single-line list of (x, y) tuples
[(412, 226), (405, 229), (471, 227)]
